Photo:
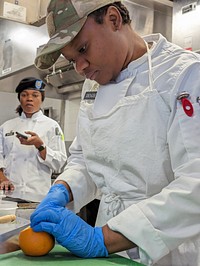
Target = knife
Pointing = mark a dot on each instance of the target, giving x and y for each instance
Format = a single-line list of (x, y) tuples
[(18, 196), (11, 229)]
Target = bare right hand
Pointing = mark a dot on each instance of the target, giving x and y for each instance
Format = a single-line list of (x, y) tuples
[(7, 185)]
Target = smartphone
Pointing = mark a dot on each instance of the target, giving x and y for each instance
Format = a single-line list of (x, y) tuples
[(21, 135)]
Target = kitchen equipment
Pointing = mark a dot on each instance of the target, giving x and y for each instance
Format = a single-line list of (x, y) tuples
[(26, 202), (7, 207), (10, 229), (19, 196)]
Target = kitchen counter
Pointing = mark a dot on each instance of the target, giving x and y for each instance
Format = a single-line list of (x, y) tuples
[(26, 202), (60, 255)]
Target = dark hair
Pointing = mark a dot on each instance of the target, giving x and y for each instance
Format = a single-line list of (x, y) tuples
[(19, 109), (99, 14)]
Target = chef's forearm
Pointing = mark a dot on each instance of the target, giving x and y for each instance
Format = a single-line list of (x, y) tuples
[(115, 241), (2, 176), (67, 187)]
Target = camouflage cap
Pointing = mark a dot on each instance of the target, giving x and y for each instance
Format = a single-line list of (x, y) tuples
[(64, 20)]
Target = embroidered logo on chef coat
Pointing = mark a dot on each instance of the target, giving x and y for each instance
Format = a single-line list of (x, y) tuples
[(11, 133)]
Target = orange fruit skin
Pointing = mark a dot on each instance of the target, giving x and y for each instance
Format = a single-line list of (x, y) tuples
[(35, 243)]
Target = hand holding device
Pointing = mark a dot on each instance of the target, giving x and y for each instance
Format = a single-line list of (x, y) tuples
[(33, 139), (21, 135)]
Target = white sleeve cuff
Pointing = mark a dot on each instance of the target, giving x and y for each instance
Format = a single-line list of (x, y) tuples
[(135, 226)]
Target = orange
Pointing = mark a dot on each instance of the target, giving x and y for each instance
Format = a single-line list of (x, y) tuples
[(35, 243)]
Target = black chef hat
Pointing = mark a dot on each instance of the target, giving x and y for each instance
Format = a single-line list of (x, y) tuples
[(30, 83)]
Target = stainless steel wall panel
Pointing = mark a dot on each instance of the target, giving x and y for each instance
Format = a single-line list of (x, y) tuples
[(19, 42), (185, 26)]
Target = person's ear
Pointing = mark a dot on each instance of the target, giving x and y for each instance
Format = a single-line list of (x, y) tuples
[(114, 17)]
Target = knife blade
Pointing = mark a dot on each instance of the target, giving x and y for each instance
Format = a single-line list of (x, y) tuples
[(11, 229), (18, 196)]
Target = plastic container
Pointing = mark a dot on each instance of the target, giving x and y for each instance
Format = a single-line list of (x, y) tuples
[(7, 207)]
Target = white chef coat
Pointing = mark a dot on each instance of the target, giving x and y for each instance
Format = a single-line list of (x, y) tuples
[(22, 163), (137, 146)]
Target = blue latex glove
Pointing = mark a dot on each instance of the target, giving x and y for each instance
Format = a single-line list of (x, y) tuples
[(71, 232), (58, 196)]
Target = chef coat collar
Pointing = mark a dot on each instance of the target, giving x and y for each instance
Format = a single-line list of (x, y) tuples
[(158, 40), (34, 116), (131, 69)]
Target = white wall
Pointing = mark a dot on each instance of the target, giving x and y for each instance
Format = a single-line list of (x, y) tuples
[(186, 25), (8, 104)]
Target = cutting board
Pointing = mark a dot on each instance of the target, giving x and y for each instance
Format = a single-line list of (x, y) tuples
[(60, 256)]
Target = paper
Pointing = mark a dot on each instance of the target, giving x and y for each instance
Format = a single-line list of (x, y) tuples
[(15, 12)]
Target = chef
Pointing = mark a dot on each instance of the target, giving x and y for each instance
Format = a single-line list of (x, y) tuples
[(31, 145), (137, 139)]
